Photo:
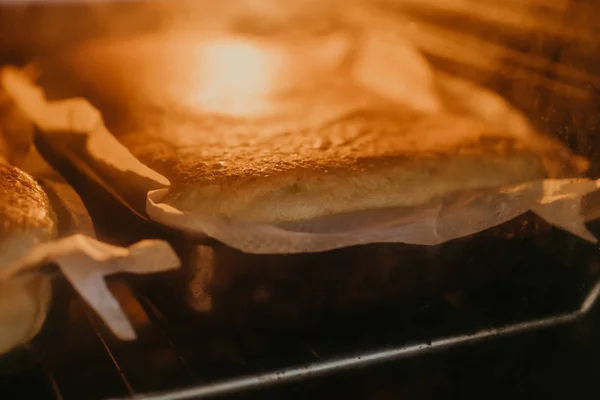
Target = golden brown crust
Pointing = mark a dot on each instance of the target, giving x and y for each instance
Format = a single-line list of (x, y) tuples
[(363, 161), (26, 216), (323, 148)]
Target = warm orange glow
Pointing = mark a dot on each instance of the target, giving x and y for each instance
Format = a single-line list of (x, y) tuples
[(234, 77)]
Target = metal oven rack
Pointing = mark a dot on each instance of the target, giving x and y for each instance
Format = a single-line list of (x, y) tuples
[(176, 357), (367, 358)]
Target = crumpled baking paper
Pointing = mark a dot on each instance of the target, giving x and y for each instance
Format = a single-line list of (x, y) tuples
[(556, 201), (24, 303), (85, 262), (25, 286)]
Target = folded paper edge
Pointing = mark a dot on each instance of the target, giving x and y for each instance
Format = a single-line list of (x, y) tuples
[(79, 254), (548, 195), (73, 115)]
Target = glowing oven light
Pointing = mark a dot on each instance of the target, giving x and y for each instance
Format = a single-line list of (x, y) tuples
[(234, 77)]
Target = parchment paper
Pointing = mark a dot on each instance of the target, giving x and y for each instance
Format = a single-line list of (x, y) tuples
[(83, 260), (557, 201)]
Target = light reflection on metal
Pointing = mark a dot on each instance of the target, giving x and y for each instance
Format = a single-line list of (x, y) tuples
[(365, 359)]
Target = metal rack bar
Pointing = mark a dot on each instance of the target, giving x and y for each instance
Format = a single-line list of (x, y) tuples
[(365, 359)]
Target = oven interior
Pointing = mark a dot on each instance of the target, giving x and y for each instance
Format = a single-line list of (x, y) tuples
[(542, 280)]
